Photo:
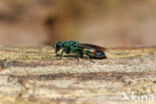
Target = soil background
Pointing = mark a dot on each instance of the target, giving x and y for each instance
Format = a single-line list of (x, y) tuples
[(106, 22)]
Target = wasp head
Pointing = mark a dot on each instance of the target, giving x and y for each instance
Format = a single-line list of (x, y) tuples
[(58, 46)]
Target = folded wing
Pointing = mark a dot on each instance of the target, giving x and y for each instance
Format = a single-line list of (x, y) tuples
[(83, 45)]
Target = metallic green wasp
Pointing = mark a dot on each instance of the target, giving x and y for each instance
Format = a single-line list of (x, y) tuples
[(80, 49)]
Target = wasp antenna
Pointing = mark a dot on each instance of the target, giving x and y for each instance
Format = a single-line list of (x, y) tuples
[(53, 46)]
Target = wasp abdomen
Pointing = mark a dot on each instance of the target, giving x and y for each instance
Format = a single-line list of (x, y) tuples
[(100, 55), (89, 51), (94, 53)]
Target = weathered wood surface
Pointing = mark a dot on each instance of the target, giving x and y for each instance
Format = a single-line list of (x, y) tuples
[(37, 76)]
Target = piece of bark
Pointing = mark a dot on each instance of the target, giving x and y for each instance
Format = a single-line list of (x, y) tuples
[(36, 75)]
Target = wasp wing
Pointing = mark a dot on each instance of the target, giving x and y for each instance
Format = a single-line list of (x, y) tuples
[(84, 45)]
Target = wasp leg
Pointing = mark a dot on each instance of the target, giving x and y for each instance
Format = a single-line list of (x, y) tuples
[(56, 53), (81, 55), (90, 59), (77, 56), (61, 54)]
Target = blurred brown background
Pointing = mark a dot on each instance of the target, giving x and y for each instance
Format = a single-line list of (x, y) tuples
[(103, 22)]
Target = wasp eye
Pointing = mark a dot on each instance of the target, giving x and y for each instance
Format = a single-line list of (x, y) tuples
[(58, 46)]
